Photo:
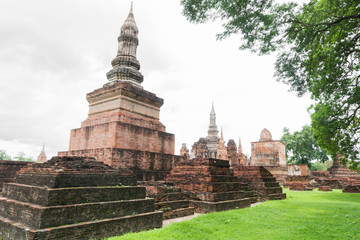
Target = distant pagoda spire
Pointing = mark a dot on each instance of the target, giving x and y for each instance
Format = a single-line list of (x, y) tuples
[(42, 156), (125, 65), (212, 139), (213, 131), (241, 156), (222, 149), (240, 147)]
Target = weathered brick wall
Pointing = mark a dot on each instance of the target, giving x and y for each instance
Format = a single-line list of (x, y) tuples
[(38, 217), (319, 174), (66, 196), (8, 170), (124, 117), (96, 230), (122, 135), (145, 165), (268, 153), (124, 96)]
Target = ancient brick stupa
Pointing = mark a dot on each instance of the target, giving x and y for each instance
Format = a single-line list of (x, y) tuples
[(74, 198), (123, 127), (270, 154)]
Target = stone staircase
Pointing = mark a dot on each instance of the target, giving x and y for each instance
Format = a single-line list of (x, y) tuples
[(74, 198), (211, 184), (169, 199), (261, 181)]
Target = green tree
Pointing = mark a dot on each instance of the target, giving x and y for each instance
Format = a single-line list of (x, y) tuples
[(22, 157), (4, 156), (302, 148), (318, 52), (323, 166)]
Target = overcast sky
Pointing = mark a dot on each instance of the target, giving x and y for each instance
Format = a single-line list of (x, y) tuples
[(54, 52)]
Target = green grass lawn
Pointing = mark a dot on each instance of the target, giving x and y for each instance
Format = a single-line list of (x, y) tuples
[(303, 215)]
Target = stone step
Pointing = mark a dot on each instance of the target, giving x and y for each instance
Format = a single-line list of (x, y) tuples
[(67, 196), (224, 178), (52, 180), (219, 163), (170, 197), (181, 212), (205, 206), (38, 217), (271, 184), (276, 196), (155, 183), (10, 230), (269, 179), (171, 205), (222, 196), (273, 190), (221, 171), (229, 186), (253, 199), (264, 184), (162, 189)]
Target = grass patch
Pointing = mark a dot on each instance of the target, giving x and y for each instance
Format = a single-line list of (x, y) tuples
[(303, 215)]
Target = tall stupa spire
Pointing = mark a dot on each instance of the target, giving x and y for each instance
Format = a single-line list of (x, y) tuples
[(125, 65), (42, 156), (240, 147), (212, 139)]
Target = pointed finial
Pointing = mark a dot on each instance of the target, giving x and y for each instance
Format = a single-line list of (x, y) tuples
[(131, 8), (212, 105), (240, 147), (222, 133), (43, 148)]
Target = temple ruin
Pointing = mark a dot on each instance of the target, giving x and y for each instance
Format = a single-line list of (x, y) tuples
[(120, 173), (123, 128), (338, 177), (74, 198), (270, 154)]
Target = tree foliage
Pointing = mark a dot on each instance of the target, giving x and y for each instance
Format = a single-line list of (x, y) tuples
[(302, 148), (22, 157), (322, 166), (318, 52), (4, 156)]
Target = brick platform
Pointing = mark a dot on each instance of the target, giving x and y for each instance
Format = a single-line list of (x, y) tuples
[(146, 166), (212, 184), (299, 183), (74, 198)]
